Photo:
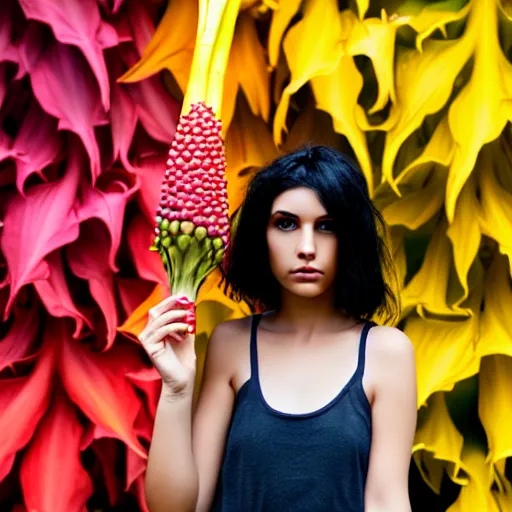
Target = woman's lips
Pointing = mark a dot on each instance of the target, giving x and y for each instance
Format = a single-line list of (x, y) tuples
[(306, 276)]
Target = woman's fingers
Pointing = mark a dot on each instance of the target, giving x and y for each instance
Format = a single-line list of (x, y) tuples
[(163, 306), (166, 318), (159, 334)]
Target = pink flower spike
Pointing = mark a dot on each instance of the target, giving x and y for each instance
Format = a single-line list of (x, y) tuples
[(78, 22), (58, 78), (36, 225)]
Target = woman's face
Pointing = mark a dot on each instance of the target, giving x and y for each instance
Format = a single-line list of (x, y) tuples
[(303, 248)]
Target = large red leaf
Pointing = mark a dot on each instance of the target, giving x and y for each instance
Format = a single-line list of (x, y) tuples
[(55, 295), (36, 225), (51, 473), (96, 382), (24, 400), (59, 77), (78, 22)]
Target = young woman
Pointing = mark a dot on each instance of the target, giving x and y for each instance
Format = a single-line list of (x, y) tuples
[(310, 406)]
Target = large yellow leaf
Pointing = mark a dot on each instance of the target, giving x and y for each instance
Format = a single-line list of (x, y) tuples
[(483, 107), (495, 406), (310, 52), (281, 18), (437, 444), (424, 82), (445, 352), (171, 47), (496, 206)]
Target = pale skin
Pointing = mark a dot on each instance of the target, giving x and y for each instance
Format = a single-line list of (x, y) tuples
[(307, 351)]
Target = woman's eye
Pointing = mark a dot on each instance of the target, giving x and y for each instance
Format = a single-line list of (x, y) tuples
[(326, 226), (285, 224)]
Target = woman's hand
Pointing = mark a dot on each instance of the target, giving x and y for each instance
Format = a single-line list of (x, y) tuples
[(170, 346)]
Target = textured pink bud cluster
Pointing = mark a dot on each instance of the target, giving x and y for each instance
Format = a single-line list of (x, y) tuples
[(194, 187)]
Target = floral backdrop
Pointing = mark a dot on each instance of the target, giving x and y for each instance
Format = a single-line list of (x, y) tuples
[(419, 92)]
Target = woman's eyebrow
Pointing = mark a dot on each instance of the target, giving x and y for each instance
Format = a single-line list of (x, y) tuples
[(293, 215)]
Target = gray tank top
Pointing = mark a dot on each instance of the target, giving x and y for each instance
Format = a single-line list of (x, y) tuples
[(312, 462)]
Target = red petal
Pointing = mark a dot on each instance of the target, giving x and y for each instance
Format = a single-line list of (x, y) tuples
[(24, 400), (131, 291), (58, 78), (19, 341), (151, 172), (51, 473), (135, 467), (96, 383), (138, 491), (148, 264), (37, 144), (78, 22), (107, 205), (54, 294), (38, 224), (88, 259)]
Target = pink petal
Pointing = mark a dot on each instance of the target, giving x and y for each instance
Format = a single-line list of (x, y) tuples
[(116, 4), (18, 344), (96, 383), (37, 144), (135, 467), (148, 264), (158, 111), (78, 22), (24, 400), (8, 50), (123, 116), (150, 171), (51, 473), (88, 259), (138, 491), (38, 224), (55, 295), (141, 24), (149, 381), (59, 78), (108, 205)]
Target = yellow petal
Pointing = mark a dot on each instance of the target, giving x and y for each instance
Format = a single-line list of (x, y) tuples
[(362, 7), (494, 405), (496, 206), (427, 290), (476, 494), (424, 82), (445, 353), (281, 18), (464, 233), (496, 325), (249, 144), (337, 93), (439, 149), (249, 62), (433, 16), (310, 52), (420, 203), (437, 444), (375, 38), (481, 110), (171, 47)]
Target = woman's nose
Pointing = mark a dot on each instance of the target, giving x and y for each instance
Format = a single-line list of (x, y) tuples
[(306, 249)]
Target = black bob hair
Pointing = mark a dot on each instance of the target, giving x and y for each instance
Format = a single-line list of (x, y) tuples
[(361, 290)]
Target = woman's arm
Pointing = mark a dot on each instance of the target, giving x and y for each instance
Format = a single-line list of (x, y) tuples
[(392, 372)]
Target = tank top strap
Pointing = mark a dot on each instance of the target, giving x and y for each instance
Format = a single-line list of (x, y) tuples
[(362, 347), (255, 319)]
